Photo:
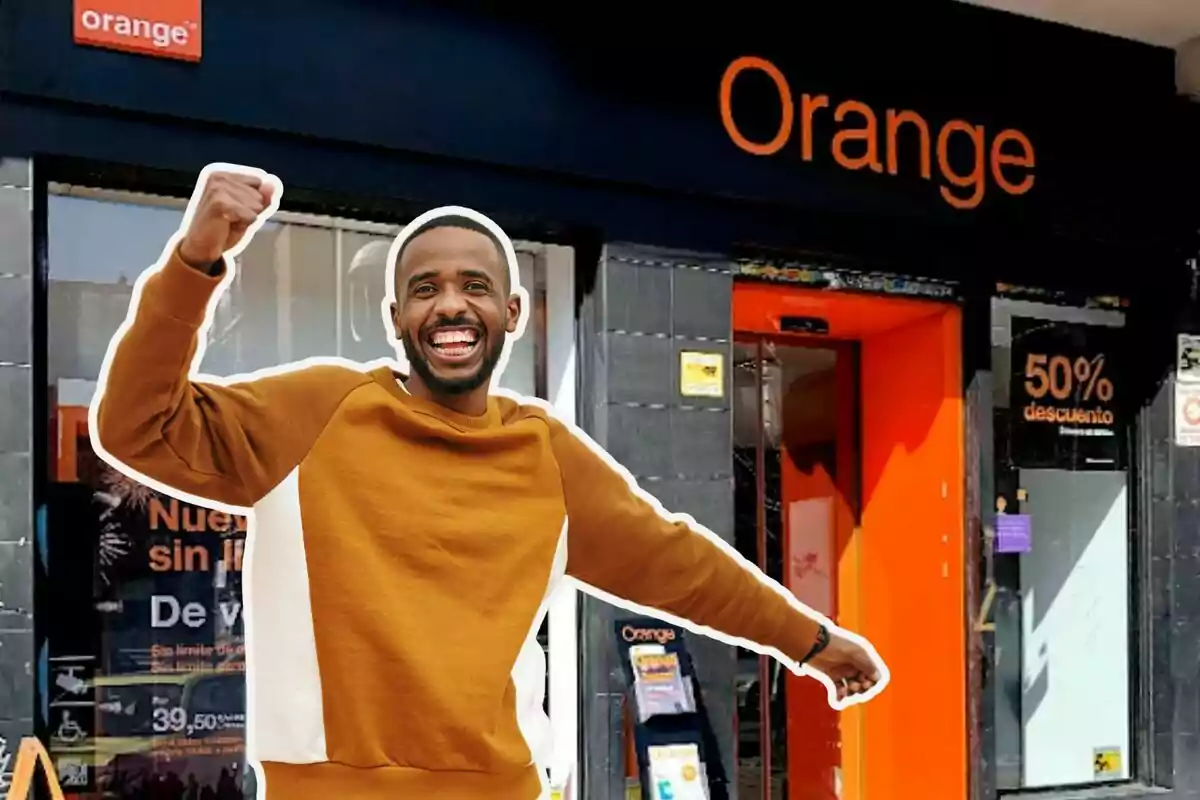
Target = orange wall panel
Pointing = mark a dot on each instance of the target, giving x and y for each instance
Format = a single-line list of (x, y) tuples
[(911, 573)]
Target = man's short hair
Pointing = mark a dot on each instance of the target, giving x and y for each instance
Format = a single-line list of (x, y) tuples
[(466, 223)]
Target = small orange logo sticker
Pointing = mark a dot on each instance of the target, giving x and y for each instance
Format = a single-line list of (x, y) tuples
[(160, 28), (1191, 411)]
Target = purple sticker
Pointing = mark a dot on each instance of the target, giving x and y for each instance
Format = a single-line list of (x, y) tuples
[(1014, 533)]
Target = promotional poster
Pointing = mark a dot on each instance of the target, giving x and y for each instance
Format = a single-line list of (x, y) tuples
[(150, 701), (1066, 396)]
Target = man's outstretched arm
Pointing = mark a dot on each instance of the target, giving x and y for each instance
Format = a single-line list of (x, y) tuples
[(619, 542), (231, 444)]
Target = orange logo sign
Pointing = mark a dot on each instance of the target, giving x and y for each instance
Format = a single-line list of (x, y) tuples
[(658, 635), (162, 28), (860, 135)]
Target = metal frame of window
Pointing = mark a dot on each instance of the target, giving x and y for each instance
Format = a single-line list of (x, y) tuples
[(993, 743)]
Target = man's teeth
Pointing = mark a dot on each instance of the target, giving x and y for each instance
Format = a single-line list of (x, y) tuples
[(449, 339), (454, 343)]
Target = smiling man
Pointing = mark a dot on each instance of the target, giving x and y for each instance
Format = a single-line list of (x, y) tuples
[(408, 530), (453, 339)]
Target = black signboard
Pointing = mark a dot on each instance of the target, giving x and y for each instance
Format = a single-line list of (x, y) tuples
[(1064, 392)]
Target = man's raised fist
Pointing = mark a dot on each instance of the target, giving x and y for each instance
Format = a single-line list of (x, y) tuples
[(230, 202)]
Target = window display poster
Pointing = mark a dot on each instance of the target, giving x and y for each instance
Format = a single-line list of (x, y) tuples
[(1066, 396), (142, 690)]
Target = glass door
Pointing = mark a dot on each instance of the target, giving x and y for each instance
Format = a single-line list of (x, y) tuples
[(850, 468), (795, 466)]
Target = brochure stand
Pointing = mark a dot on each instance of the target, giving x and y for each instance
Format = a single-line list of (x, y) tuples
[(674, 743)]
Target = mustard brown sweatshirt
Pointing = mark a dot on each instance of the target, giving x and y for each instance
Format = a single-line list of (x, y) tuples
[(400, 559)]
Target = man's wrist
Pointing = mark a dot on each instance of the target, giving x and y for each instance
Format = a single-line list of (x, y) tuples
[(821, 643), (209, 268), (212, 270)]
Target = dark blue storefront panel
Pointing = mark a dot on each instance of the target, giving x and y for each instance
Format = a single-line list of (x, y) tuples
[(631, 99), (538, 205)]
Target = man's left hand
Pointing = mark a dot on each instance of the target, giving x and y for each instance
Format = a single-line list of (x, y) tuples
[(848, 664)]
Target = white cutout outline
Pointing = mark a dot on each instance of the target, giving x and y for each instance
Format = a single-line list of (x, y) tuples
[(194, 374)]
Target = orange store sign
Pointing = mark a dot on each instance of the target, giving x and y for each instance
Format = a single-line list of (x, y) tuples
[(1008, 160), (161, 28)]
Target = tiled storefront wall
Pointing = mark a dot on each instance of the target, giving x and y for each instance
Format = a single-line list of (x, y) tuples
[(646, 307), (16, 446), (1171, 618)]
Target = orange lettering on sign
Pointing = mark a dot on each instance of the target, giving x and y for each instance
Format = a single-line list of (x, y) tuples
[(1080, 382), (1008, 161), (658, 635), (161, 28)]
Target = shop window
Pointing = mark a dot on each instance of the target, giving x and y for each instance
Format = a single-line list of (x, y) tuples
[(1059, 561), (142, 692)]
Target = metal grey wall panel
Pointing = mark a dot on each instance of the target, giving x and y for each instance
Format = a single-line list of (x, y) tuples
[(647, 306), (16, 446)]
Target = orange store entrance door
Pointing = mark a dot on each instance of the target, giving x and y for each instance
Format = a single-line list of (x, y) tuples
[(849, 467)]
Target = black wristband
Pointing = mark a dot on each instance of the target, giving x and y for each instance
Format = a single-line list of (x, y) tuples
[(821, 643), (211, 270)]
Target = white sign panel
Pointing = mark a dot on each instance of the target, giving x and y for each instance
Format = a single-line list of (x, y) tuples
[(1073, 623), (1187, 363), (1187, 415)]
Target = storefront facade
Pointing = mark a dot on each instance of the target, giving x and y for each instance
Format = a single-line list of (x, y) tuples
[(677, 186)]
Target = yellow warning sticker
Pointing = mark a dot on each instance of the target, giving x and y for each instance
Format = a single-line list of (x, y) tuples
[(701, 374), (1106, 763)]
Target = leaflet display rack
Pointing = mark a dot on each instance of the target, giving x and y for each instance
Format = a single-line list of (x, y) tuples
[(665, 711)]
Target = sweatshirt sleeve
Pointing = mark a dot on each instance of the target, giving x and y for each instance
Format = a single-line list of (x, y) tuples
[(226, 443), (621, 542)]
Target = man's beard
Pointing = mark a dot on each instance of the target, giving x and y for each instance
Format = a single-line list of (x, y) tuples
[(452, 386)]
